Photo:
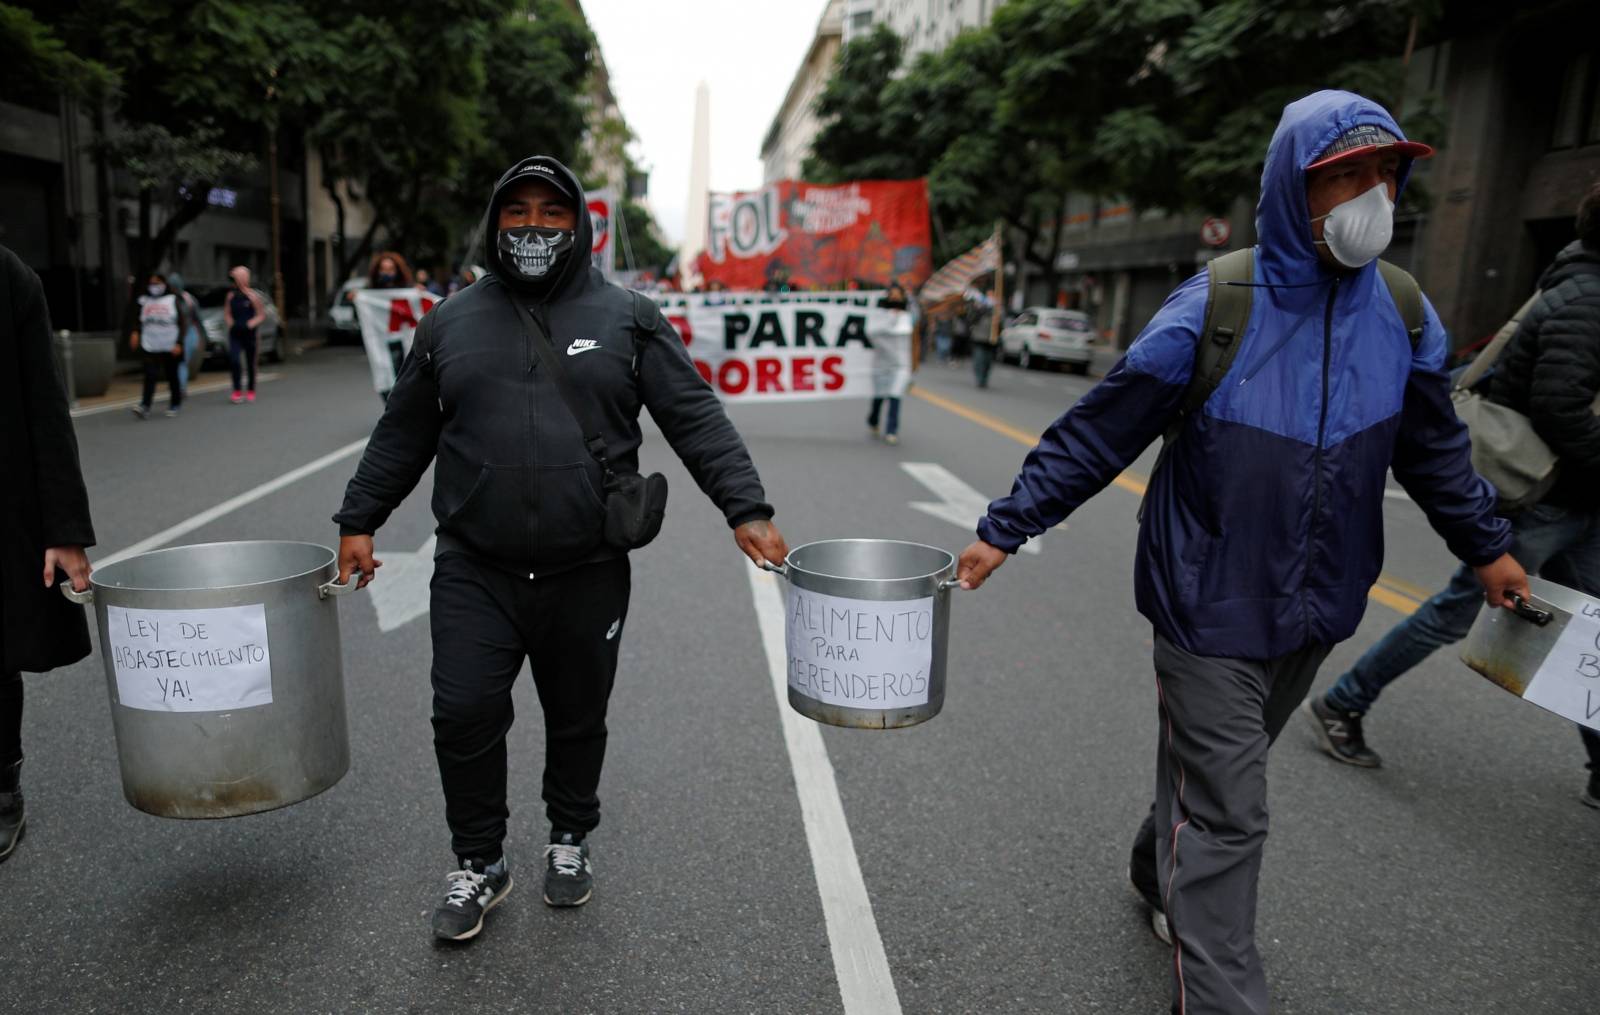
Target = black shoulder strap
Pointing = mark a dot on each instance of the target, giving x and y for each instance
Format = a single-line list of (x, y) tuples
[(1407, 296), (1228, 299), (546, 352), (646, 318)]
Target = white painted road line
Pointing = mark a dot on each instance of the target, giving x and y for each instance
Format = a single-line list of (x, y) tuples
[(865, 984), (959, 503), (401, 592), (227, 507)]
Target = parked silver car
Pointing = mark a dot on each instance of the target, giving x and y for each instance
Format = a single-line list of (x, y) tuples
[(1048, 335), (211, 299), (343, 325)]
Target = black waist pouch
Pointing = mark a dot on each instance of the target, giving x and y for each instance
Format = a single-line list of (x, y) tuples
[(635, 508)]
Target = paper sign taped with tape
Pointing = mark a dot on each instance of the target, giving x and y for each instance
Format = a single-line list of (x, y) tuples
[(211, 660), (1568, 681), (858, 653)]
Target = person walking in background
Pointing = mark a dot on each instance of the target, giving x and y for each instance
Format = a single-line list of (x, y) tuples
[(426, 283), (191, 331), (980, 322), (44, 522), (941, 339), (1549, 371), (892, 363), (242, 315), (159, 341)]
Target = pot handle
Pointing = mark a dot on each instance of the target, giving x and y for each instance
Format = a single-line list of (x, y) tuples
[(951, 583), (1529, 612), (84, 598), (777, 569), (333, 588)]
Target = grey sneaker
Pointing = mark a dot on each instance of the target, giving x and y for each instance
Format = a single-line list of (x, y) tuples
[(12, 822), (1152, 904), (474, 890), (568, 878), (173, 411), (142, 411), (1339, 733)]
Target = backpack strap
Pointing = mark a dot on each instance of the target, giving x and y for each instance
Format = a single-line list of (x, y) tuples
[(1228, 299), (1407, 296), (646, 319)]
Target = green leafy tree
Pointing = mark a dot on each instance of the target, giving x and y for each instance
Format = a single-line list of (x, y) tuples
[(415, 125), (36, 65), (1167, 103), (200, 85)]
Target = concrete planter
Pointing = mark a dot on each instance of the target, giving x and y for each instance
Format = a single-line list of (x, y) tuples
[(94, 362)]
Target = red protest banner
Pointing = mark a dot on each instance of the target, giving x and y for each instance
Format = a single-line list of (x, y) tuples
[(815, 236)]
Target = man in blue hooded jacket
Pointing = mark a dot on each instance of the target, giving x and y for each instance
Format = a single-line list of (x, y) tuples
[(1263, 528)]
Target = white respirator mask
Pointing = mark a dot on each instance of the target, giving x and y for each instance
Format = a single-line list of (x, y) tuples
[(1360, 229)]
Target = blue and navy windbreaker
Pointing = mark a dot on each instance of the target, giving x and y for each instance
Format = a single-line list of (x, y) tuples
[(1263, 531)]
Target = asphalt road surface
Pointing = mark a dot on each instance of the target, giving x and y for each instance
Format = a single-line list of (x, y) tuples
[(991, 842)]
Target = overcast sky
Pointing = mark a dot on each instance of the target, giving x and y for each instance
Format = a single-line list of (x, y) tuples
[(747, 52)]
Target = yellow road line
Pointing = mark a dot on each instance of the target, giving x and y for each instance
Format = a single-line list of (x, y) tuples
[(1130, 481), (1395, 593)]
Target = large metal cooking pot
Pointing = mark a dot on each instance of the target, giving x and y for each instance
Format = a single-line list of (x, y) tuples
[(867, 624), (1546, 650), (223, 666)]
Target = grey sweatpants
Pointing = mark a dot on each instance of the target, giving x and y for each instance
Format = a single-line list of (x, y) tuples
[(1200, 848)]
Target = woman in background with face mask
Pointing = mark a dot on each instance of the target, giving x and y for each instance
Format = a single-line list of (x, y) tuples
[(162, 317), (389, 271)]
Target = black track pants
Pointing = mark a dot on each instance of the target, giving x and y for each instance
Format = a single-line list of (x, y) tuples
[(485, 623), (1200, 848)]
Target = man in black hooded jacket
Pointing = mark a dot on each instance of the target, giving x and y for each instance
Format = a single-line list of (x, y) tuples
[(523, 568)]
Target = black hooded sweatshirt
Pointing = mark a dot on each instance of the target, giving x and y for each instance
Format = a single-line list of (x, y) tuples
[(514, 485), (1550, 372)]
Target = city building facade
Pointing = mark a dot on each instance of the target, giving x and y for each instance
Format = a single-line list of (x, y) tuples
[(788, 140)]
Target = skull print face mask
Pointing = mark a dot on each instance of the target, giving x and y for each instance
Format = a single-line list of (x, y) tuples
[(533, 253)]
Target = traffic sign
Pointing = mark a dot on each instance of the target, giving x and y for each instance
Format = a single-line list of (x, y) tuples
[(1215, 231)]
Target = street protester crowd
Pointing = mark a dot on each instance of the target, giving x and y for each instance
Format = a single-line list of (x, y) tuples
[(1284, 383)]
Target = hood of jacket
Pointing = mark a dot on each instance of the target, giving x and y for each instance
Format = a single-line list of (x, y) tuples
[(1575, 259), (1286, 254), (540, 167)]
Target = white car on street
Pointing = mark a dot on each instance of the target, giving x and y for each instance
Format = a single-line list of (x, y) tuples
[(1042, 335), (343, 326)]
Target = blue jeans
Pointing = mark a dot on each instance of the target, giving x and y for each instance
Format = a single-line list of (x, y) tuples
[(1556, 543), (982, 361), (893, 426)]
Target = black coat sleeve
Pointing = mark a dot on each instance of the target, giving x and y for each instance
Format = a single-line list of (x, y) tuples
[(1566, 376), (695, 424), (57, 475), (405, 441)]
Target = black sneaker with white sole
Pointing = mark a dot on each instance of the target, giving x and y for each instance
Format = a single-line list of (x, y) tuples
[(1153, 908), (568, 878), (1339, 733), (474, 890), (1590, 795)]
